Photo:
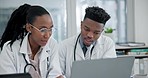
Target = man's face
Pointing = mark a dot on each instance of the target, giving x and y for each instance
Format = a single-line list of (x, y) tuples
[(41, 30), (90, 31)]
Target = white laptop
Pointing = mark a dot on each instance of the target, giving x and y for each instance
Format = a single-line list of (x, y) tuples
[(103, 68)]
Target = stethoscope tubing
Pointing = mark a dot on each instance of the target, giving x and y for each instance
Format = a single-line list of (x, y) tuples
[(76, 46), (28, 64)]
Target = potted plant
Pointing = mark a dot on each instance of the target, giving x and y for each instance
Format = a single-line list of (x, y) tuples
[(108, 31)]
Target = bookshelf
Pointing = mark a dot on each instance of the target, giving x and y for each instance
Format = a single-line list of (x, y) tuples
[(140, 52)]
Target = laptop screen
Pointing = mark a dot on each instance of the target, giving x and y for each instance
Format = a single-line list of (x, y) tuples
[(103, 68)]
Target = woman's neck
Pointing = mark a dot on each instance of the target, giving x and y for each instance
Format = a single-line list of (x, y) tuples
[(34, 47)]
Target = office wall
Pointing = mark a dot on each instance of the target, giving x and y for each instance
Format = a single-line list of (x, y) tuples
[(137, 18), (57, 9), (130, 21), (16, 3), (141, 20)]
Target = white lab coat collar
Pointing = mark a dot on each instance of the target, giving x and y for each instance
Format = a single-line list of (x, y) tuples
[(45, 52), (98, 46), (23, 49), (79, 52), (99, 41)]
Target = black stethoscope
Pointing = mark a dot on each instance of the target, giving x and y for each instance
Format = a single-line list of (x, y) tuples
[(29, 64), (76, 47)]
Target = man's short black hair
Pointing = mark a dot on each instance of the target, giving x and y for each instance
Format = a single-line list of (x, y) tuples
[(97, 14)]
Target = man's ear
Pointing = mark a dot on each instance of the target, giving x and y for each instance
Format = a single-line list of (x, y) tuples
[(28, 27)]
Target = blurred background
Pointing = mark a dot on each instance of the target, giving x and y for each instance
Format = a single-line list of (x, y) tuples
[(128, 17)]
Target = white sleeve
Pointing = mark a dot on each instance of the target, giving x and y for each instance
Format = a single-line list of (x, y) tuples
[(7, 60), (54, 62), (62, 58)]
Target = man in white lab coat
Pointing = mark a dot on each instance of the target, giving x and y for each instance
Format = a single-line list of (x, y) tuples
[(27, 45), (89, 44)]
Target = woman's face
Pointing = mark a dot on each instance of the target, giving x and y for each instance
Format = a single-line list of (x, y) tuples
[(90, 31), (41, 30)]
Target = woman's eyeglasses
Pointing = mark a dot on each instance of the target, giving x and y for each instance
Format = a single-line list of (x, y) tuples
[(43, 30)]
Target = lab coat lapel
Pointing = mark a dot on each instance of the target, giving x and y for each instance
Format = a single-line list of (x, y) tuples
[(23, 48), (45, 53), (98, 48), (43, 58), (79, 52)]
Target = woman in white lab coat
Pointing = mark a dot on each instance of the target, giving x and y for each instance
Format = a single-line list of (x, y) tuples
[(97, 45), (27, 45)]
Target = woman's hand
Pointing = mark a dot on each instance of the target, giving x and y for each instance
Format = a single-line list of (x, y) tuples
[(60, 76)]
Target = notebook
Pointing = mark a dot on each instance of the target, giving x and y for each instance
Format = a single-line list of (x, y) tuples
[(120, 67), (18, 75)]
